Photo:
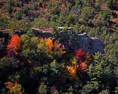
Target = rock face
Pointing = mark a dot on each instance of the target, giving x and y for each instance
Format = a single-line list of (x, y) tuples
[(73, 42), (92, 45)]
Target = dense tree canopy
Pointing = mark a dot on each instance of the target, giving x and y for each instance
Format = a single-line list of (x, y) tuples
[(40, 52)]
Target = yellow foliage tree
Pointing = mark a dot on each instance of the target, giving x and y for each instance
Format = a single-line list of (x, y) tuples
[(49, 44), (72, 70)]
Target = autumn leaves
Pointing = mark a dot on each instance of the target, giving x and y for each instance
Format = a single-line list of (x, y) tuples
[(35, 55), (79, 65), (14, 87), (46, 47), (34, 44), (13, 44)]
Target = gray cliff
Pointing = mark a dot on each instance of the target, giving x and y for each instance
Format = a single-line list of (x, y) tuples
[(76, 41), (90, 44)]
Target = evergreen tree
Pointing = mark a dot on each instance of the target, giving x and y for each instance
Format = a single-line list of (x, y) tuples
[(9, 7)]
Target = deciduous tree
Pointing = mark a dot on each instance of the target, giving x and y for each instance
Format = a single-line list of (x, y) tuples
[(14, 44)]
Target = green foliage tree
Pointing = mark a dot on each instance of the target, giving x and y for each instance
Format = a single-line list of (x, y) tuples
[(40, 3), (109, 3), (9, 7), (106, 91), (22, 12), (56, 10), (13, 26), (54, 18), (90, 88), (111, 53), (25, 41), (24, 25), (3, 22), (97, 5), (30, 32), (86, 14), (43, 89), (41, 49), (103, 68), (5, 67), (72, 19), (78, 3), (34, 42), (30, 54), (105, 16), (2, 40), (55, 33), (5, 62)]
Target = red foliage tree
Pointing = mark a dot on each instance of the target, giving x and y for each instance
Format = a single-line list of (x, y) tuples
[(79, 54), (53, 89), (13, 44), (82, 67)]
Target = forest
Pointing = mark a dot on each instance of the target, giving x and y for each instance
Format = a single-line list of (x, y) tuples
[(31, 63)]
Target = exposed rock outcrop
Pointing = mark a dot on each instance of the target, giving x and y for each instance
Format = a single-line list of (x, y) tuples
[(72, 41), (90, 44)]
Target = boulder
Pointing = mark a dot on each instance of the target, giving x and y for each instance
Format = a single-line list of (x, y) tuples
[(89, 44)]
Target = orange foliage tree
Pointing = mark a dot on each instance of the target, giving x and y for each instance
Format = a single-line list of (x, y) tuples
[(57, 46), (49, 44), (72, 70), (88, 57), (52, 47), (14, 88), (14, 44)]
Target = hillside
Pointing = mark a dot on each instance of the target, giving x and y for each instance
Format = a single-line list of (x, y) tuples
[(58, 46), (97, 18)]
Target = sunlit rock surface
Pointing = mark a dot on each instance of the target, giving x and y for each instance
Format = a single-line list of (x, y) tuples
[(90, 44)]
